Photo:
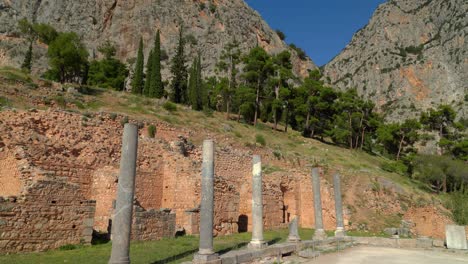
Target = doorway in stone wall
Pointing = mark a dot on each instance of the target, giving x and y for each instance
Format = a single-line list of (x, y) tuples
[(242, 224), (288, 206)]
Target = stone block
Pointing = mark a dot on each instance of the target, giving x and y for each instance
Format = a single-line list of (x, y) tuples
[(455, 237), (308, 253), (438, 243), (424, 242), (244, 256), (206, 259), (406, 243), (229, 259)]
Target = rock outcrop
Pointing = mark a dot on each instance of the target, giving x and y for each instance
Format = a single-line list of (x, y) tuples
[(412, 55), (208, 26)]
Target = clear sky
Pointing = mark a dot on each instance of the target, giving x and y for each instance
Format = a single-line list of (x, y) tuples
[(321, 27)]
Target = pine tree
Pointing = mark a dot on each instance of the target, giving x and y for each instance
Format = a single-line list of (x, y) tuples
[(157, 87), (179, 73), (138, 82), (27, 63), (149, 73)]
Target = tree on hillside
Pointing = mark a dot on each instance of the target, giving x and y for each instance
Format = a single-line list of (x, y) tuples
[(108, 72), (439, 119), (27, 29), (195, 87), (157, 86), (149, 73), (395, 137), (68, 58), (179, 72), (229, 61), (258, 67), (138, 81)]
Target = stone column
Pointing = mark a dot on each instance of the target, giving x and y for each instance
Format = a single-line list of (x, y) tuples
[(257, 241), (122, 221), (319, 231), (205, 252), (293, 231), (340, 231)]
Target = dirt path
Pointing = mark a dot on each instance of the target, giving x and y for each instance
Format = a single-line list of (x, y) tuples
[(374, 255)]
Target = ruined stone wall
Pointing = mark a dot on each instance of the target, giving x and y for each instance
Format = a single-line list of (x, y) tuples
[(152, 224), (51, 214), (10, 182)]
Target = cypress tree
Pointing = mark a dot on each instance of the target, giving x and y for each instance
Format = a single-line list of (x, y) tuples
[(192, 85), (199, 85), (179, 73), (138, 82), (149, 73), (157, 88), (27, 63)]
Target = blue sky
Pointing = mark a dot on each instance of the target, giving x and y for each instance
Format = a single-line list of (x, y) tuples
[(321, 28)]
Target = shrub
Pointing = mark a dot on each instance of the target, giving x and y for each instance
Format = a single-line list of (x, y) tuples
[(68, 247), (124, 121), (113, 116), (260, 140), (459, 207), (152, 131), (396, 167), (169, 106), (277, 153), (280, 34), (60, 101)]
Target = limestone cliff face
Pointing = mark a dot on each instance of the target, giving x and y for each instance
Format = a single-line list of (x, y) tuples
[(412, 55), (210, 25)]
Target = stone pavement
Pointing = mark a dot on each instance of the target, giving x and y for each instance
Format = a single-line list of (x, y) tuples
[(370, 255)]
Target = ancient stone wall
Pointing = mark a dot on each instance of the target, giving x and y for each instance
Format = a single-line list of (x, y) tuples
[(152, 224), (51, 214)]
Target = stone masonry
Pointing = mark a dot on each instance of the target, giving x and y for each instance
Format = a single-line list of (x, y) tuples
[(62, 147)]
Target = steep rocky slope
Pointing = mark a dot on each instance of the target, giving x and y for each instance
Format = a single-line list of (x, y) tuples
[(211, 25), (412, 55)]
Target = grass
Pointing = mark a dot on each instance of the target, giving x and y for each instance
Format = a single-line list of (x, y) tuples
[(169, 250), (174, 250)]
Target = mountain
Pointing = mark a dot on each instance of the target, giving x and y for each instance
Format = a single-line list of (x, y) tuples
[(209, 26), (413, 55)]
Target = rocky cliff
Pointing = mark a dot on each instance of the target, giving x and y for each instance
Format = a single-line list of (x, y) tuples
[(209, 25), (411, 56)]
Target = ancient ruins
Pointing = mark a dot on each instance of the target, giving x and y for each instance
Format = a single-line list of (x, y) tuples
[(59, 179)]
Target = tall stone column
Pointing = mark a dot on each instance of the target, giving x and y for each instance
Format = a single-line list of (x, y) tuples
[(340, 231), (319, 231), (205, 252), (257, 241), (122, 222)]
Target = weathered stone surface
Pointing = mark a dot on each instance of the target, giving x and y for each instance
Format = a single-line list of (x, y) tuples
[(308, 253), (257, 241), (125, 21), (294, 231), (411, 56), (122, 220), (456, 237)]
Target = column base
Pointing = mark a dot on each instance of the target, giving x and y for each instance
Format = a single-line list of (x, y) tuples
[(319, 235), (119, 261), (206, 258), (257, 244), (340, 232), (294, 239)]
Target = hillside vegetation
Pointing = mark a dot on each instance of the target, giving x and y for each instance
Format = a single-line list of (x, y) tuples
[(362, 170)]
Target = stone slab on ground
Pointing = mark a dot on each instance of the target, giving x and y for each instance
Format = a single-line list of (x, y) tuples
[(308, 253), (365, 255), (455, 237)]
